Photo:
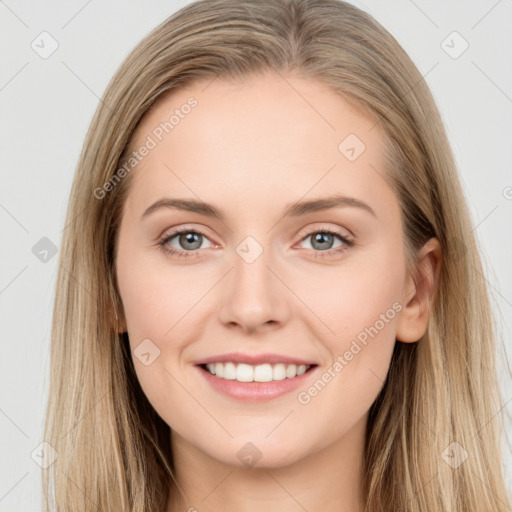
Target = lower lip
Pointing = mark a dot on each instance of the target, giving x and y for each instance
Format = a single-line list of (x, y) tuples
[(256, 391)]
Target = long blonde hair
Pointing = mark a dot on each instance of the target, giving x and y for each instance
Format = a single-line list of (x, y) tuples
[(113, 449)]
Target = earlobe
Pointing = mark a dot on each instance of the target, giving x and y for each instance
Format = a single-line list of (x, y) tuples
[(117, 319), (418, 294), (120, 322), (121, 326), (117, 324)]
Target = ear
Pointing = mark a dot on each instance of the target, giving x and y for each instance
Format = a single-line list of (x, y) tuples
[(413, 319)]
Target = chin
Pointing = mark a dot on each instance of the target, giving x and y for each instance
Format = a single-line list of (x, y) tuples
[(258, 454)]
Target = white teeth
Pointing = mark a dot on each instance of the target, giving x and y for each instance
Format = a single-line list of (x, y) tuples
[(291, 371), (244, 373), (260, 373), (263, 373), (279, 372), (229, 371)]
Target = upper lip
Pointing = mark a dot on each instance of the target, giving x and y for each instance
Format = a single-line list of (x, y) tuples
[(253, 359)]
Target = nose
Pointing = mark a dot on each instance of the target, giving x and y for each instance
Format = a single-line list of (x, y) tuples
[(253, 297)]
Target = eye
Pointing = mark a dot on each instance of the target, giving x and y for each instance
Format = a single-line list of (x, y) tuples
[(323, 240), (187, 242), (189, 239)]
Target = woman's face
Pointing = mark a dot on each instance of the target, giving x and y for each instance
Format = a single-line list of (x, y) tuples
[(263, 277)]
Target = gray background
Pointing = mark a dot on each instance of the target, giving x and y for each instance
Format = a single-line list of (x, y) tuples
[(47, 104)]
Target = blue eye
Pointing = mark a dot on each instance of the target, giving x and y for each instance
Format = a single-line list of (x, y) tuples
[(323, 240), (191, 241)]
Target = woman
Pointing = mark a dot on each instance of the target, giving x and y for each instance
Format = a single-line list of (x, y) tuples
[(260, 367)]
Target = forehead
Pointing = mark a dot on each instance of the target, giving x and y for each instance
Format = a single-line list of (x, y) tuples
[(262, 105), (264, 137)]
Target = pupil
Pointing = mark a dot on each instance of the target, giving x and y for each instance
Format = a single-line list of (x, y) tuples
[(320, 238), (189, 238)]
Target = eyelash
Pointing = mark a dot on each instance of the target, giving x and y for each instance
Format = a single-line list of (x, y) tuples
[(187, 254)]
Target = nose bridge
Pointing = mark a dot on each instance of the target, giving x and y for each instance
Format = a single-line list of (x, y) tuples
[(254, 296)]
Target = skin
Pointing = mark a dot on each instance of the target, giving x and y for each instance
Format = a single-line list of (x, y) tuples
[(252, 147)]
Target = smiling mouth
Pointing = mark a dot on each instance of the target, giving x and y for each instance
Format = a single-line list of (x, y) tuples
[(242, 372)]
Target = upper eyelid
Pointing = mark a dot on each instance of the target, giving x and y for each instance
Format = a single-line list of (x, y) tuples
[(320, 227), (173, 232)]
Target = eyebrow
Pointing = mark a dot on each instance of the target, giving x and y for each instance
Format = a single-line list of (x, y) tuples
[(292, 210)]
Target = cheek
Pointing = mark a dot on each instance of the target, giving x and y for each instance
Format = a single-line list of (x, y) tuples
[(359, 306), (156, 296), (352, 297), (158, 303), (164, 303)]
